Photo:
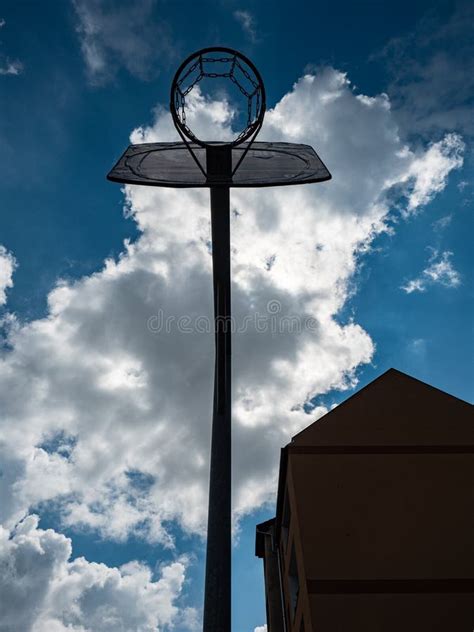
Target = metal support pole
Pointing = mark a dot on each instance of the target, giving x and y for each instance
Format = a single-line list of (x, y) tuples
[(217, 598)]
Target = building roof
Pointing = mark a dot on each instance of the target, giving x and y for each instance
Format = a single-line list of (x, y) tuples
[(394, 409), (264, 528)]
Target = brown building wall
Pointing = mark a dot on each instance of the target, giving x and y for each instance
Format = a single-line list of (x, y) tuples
[(392, 613), (385, 516), (375, 514)]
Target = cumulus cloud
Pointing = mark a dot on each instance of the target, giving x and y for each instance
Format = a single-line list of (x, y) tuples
[(120, 35), (7, 267), (247, 22), (440, 271), (116, 425), (43, 590), (261, 628)]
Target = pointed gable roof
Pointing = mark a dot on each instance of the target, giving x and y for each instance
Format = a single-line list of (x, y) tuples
[(394, 409)]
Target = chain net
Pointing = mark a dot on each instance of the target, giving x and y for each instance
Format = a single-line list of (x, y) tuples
[(252, 92)]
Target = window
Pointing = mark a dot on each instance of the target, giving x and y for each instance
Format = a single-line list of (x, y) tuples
[(285, 520), (293, 583)]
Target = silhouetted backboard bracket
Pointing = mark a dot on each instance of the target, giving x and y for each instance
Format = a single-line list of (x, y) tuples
[(264, 165)]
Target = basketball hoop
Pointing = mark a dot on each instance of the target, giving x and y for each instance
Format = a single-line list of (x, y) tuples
[(218, 63), (213, 63), (240, 162)]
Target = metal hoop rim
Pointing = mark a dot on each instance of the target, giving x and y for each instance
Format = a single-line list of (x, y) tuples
[(254, 129)]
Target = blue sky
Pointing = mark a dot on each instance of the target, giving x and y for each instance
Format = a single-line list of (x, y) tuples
[(101, 414)]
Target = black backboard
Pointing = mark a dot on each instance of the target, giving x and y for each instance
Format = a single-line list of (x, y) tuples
[(265, 164)]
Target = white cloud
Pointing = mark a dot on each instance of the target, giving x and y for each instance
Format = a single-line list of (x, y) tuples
[(116, 425), (439, 271), (443, 222), (7, 65), (261, 628), (415, 285), (120, 35), (418, 347), (430, 170), (43, 590), (7, 267), (247, 22)]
